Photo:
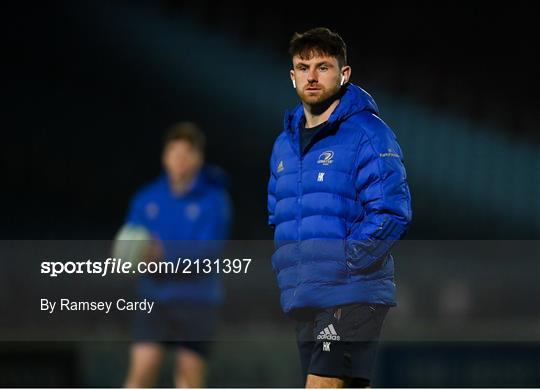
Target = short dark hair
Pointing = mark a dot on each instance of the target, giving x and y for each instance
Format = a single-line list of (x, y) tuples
[(318, 41), (185, 131)]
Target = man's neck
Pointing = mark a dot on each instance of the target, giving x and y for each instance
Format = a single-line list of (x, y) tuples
[(317, 114), (180, 186)]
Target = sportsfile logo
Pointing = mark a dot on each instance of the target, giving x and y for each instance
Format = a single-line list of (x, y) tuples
[(328, 333)]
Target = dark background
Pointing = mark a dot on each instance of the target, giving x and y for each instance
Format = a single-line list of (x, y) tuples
[(90, 87)]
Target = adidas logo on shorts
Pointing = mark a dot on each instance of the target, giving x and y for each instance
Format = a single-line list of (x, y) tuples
[(328, 333)]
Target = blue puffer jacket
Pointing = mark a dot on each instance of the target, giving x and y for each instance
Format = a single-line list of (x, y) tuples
[(338, 207), (191, 225)]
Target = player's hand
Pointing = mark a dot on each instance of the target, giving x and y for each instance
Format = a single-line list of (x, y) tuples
[(153, 251)]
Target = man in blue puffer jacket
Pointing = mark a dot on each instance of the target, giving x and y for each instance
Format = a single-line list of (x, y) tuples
[(338, 199)]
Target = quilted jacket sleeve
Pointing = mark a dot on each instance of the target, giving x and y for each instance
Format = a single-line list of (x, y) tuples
[(272, 192), (381, 185)]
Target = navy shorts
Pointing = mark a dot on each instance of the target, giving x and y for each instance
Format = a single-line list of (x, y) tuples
[(341, 342), (191, 326)]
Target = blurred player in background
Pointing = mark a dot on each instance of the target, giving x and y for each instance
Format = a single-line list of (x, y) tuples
[(338, 199), (188, 202)]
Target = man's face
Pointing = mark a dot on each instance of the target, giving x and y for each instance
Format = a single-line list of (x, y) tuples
[(181, 159), (318, 78)]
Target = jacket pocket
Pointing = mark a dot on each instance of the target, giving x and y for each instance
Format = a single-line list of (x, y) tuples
[(360, 258)]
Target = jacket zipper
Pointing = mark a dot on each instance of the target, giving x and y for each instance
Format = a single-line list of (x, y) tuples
[(299, 214)]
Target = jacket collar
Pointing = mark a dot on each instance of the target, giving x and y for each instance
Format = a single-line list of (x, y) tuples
[(353, 99)]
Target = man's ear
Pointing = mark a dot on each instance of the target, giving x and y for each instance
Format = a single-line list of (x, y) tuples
[(345, 74), (292, 79)]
